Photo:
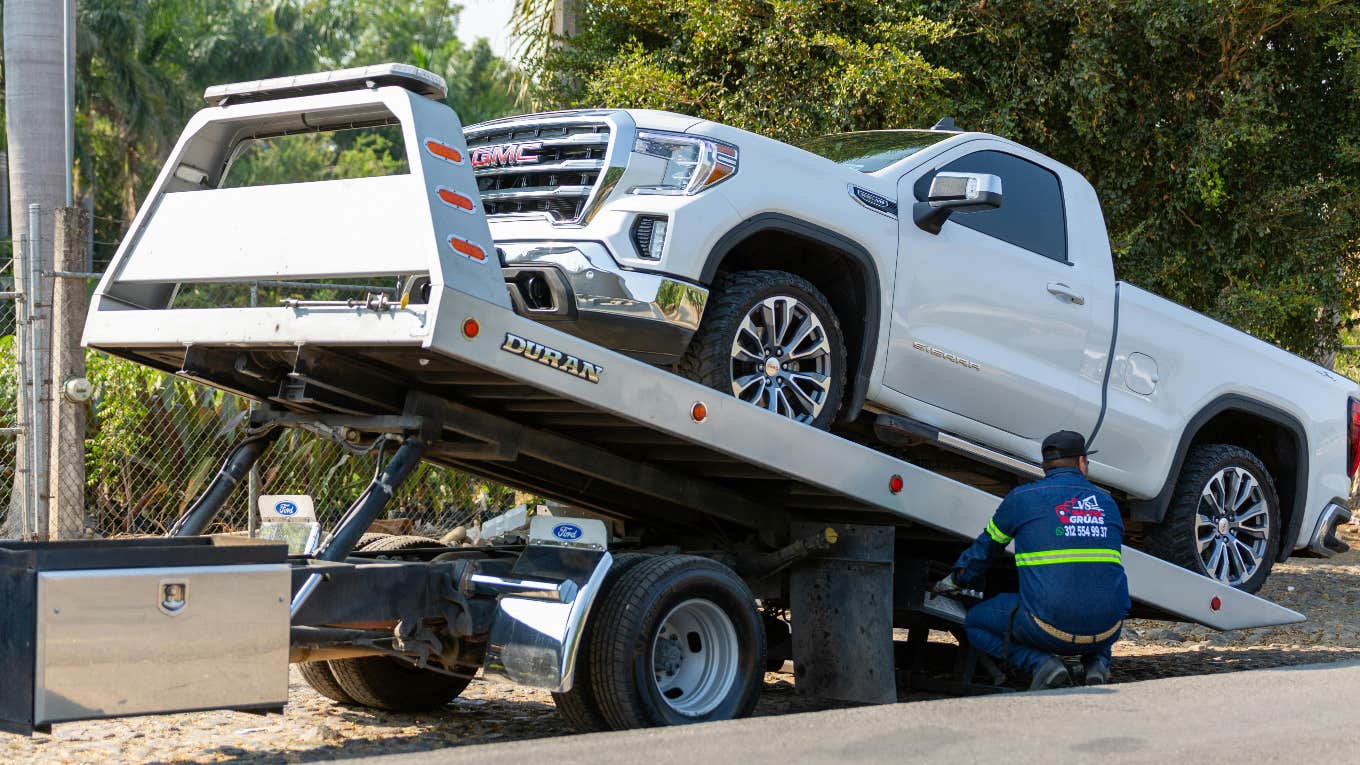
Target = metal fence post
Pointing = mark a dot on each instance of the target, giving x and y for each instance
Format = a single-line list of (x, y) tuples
[(20, 523), (39, 372)]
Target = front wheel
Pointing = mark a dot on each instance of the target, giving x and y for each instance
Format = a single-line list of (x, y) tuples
[(771, 339), (1224, 518)]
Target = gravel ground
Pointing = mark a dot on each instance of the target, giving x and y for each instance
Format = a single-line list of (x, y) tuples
[(313, 728)]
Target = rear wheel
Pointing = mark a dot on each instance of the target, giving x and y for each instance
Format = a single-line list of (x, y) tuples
[(771, 339), (579, 706), (382, 682), (1224, 518), (319, 676), (679, 641)]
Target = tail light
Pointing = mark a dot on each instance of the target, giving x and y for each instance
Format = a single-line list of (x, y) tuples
[(1353, 438)]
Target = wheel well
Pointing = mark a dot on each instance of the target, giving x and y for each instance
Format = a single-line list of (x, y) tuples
[(842, 270), (1277, 446)]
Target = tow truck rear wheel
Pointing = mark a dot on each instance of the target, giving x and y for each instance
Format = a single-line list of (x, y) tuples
[(318, 674), (579, 706), (1224, 518), (771, 339), (678, 641), (382, 682)]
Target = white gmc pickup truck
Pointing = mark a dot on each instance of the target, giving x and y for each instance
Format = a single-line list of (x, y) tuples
[(948, 295)]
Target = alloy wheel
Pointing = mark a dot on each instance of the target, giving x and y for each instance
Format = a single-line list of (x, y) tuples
[(781, 359), (1232, 526)]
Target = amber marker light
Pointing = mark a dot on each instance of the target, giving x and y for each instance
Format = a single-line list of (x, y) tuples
[(698, 412), (464, 247), (444, 151), (471, 328), (895, 484), (454, 199)]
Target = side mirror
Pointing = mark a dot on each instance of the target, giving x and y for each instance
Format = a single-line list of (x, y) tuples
[(956, 192)]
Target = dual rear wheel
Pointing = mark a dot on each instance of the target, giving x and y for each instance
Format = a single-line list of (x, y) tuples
[(671, 640)]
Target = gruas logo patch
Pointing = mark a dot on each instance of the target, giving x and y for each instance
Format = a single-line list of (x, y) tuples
[(562, 362), (1086, 510)]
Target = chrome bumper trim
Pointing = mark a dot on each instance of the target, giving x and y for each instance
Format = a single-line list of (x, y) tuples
[(660, 313)]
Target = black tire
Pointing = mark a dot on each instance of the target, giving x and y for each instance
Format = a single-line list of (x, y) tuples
[(579, 706), (1175, 538), (400, 543), (623, 661), (369, 538), (319, 676), (382, 682), (708, 360)]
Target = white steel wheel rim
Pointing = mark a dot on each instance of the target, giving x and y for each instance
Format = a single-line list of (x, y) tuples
[(781, 359), (1232, 526), (695, 656)]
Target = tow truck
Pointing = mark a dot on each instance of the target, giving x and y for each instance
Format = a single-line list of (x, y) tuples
[(704, 551)]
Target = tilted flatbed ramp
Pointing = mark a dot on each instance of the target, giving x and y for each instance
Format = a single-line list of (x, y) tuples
[(520, 402)]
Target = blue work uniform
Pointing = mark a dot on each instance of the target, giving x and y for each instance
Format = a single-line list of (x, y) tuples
[(1073, 593)]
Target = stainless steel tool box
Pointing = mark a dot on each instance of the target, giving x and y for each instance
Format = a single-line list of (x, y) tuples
[(110, 628)]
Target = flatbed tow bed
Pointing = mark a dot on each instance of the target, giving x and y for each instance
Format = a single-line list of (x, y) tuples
[(840, 537)]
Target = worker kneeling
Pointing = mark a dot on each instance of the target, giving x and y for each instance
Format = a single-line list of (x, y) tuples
[(1073, 593)]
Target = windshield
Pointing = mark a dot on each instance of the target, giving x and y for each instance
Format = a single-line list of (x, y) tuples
[(871, 151)]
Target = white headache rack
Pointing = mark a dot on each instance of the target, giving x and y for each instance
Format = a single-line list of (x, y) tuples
[(531, 406)]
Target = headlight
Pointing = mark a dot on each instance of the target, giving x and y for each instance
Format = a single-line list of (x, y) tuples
[(692, 163)]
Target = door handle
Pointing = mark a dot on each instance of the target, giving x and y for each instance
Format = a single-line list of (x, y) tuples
[(1064, 292)]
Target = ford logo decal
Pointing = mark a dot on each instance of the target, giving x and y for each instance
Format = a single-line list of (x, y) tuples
[(567, 532), (286, 508)]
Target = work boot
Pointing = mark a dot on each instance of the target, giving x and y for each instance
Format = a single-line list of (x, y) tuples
[(1051, 674), (1097, 670)]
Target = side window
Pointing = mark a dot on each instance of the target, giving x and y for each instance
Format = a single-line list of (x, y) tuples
[(1031, 214)]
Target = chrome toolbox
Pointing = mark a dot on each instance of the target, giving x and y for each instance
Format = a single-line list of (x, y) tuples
[(110, 628)]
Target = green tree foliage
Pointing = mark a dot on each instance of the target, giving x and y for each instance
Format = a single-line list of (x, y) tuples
[(789, 69), (1223, 136), (142, 66)]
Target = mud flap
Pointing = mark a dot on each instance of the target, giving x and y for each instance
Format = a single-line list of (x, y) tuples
[(842, 604)]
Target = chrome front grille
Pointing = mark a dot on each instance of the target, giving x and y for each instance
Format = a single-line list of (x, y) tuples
[(568, 158)]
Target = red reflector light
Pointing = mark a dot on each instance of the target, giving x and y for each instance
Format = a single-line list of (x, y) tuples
[(1215, 604), (895, 484), (698, 412), (471, 328), (454, 199), (464, 247), (1352, 437), (444, 151)]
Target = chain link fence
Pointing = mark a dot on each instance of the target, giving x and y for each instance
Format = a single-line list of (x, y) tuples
[(152, 442), (155, 441), (9, 393)]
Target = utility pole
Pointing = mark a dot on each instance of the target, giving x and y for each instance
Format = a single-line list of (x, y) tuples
[(70, 389), (34, 85)]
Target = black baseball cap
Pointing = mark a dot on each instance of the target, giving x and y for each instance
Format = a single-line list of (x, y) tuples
[(1065, 444)]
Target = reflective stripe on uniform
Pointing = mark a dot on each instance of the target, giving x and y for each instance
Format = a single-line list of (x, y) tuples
[(1092, 555), (997, 535)]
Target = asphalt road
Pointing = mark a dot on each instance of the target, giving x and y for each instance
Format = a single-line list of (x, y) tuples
[(1298, 714)]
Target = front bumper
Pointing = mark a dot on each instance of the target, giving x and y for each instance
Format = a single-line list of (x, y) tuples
[(578, 287)]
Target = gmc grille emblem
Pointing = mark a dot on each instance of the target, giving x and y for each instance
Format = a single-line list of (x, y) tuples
[(506, 154)]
